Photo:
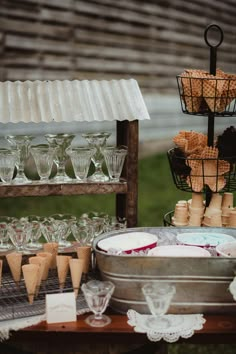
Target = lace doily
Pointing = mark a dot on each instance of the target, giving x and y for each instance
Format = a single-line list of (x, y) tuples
[(181, 326)]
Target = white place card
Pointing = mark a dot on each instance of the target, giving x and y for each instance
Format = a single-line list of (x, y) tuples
[(60, 308)]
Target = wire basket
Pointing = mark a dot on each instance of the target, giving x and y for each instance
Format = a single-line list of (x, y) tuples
[(201, 96), (209, 173), (14, 300), (167, 218)]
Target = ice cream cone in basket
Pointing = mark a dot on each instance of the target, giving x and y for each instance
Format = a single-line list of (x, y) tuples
[(62, 269), (1, 262), (41, 262), (51, 247), (76, 270), (232, 218), (216, 220), (14, 261), (48, 260), (30, 273), (84, 252), (197, 200), (216, 201), (227, 200)]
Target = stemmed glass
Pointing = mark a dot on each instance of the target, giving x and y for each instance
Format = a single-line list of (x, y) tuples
[(97, 295), (19, 232), (35, 232), (4, 234), (43, 155), (81, 160), (158, 296), (115, 158), (61, 142), (21, 143), (8, 160), (97, 141)]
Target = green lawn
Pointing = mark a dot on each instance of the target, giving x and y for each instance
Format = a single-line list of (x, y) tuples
[(157, 196)]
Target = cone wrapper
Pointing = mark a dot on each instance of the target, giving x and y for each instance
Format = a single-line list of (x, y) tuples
[(62, 269), (48, 258), (76, 270), (30, 273), (51, 247), (14, 261), (85, 254)]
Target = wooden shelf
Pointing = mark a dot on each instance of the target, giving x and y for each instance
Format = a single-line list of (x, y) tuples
[(42, 190)]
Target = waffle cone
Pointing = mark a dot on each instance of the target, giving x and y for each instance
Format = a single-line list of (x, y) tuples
[(76, 270), (41, 261), (51, 247), (48, 258), (62, 269), (84, 252), (14, 260), (30, 273), (1, 272)]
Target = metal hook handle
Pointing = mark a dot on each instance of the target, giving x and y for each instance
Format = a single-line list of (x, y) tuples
[(206, 35)]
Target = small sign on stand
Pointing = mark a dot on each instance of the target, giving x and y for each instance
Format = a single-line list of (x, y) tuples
[(60, 308)]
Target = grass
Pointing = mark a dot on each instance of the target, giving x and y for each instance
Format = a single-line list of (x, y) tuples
[(157, 196)]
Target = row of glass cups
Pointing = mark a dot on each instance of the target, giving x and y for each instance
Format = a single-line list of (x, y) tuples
[(24, 234), (57, 150)]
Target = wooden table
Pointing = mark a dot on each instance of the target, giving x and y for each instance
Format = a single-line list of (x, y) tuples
[(118, 337)]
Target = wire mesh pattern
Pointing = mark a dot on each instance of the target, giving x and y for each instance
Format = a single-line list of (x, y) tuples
[(202, 178), (201, 96), (167, 218), (14, 300)]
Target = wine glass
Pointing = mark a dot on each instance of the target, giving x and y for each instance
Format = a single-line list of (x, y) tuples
[(61, 142), (97, 141), (158, 296), (97, 295), (21, 143), (8, 160), (81, 160), (115, 158), (43, 155)]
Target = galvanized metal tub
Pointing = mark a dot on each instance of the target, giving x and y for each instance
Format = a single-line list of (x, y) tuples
[(201, 283)]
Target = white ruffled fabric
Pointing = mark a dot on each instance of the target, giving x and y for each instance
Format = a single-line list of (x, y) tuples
[(14, 325), (181, 326)]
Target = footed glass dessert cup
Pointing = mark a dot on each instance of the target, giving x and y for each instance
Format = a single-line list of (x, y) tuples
[(21, 143), (81, 160), (97, 295), (98, 142), (44, 156), (19, 233), (61, 142), (115, 158), (8, 161), (158, 296)]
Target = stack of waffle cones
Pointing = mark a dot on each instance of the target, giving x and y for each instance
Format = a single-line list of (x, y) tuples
[(201, 89), (219, 213)]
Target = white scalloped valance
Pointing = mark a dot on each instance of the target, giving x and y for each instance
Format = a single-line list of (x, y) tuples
[(66, 101)]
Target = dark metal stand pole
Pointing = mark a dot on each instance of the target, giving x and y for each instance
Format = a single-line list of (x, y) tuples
[(211, 115)]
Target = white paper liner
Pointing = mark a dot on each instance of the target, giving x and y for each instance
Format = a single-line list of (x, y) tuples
[(181, 326)]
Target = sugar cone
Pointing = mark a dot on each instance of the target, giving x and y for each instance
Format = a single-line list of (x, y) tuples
[(14, 260), (1, 272), (48, 258), (76, 270), (51, 247), (84, 252), (41, 261), (62, 269), (30, 273)]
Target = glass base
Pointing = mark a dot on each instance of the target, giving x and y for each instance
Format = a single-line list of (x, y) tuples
[(21, 180), (5, 247), (98, 177), (64, 244), (33, 246), (157, 322), (100, 322), (60, 179)]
